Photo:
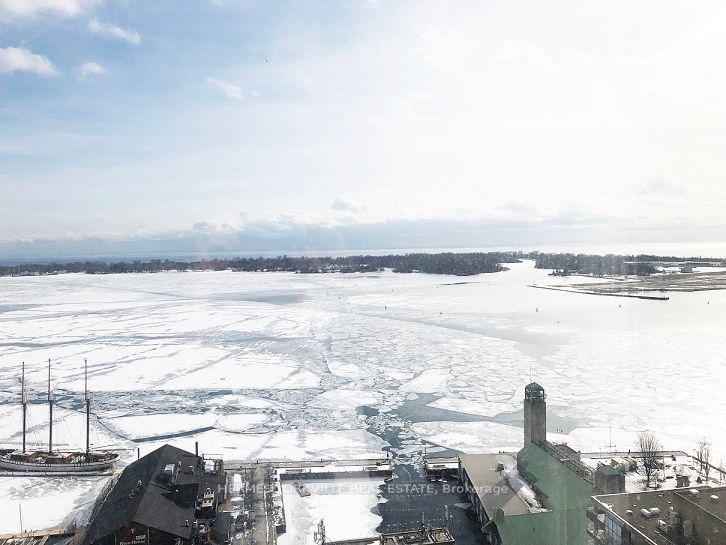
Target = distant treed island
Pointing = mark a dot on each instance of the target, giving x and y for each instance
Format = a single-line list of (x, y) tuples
[(459, 264)]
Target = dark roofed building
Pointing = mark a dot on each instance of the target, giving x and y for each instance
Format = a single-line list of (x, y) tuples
[(153, 502), (695, 516)]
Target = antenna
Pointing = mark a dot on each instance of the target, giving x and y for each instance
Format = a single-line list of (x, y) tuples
[(319, 535), (50, 406), (610, 445), (88, 412), (24, 402)]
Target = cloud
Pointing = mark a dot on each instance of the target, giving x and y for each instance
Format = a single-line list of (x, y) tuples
[(346, 206), (518, 208), (32, 8), (526, 55), (19, 59), (115, 32), (659, 187), (231, 90), (88, 69), (285, 234)]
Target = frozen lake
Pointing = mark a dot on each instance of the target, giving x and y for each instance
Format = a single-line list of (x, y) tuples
[(276, 365)]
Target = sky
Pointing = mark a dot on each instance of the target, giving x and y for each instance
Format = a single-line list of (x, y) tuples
[(129, 125)]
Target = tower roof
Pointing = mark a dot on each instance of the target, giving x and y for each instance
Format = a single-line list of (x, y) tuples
[(533, 387)]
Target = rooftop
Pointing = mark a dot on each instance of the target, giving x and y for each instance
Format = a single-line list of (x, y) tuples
[(703, 500), (663, 500), (569, 458), (158, 490), (491, 485), (675, 464)]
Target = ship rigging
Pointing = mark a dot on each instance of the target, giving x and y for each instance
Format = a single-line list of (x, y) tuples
[(52, 462)]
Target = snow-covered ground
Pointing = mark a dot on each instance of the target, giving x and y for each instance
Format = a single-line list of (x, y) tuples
[(344, 505), (274, 365), (665, 477)]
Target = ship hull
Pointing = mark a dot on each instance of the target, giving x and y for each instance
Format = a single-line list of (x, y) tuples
[(23, 466)]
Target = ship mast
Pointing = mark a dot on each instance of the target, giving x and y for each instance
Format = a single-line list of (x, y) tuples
[(50, 405), (88, 413), (24, 401)]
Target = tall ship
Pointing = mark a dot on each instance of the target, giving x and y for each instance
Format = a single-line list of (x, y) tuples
[(51, 461)]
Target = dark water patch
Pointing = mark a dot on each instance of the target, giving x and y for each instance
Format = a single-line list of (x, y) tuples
[(288, 298), (417, 410), (15, 307), (365, 410), (555, 422), (410, 496), (171, 435)]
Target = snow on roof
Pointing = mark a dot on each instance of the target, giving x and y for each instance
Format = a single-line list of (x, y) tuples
[(497, 488)]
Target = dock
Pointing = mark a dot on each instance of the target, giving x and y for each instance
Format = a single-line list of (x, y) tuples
[(441, 466), (58, 536), (321, 469), (255, 489)]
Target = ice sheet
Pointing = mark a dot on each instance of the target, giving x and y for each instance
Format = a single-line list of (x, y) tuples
[(276, 364)]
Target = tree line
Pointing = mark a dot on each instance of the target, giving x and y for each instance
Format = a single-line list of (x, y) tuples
[(461, 264), (601, 265), (454, 263)]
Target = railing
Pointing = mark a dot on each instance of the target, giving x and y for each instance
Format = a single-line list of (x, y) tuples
[(592, 514), (563, 456), (717, 469)]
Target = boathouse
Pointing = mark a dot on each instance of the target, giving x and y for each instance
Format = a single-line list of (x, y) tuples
[(160, 499)]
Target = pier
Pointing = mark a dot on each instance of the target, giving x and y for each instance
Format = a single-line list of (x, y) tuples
[(604, 293), (255, 495), (320, 469), (39, 537)]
